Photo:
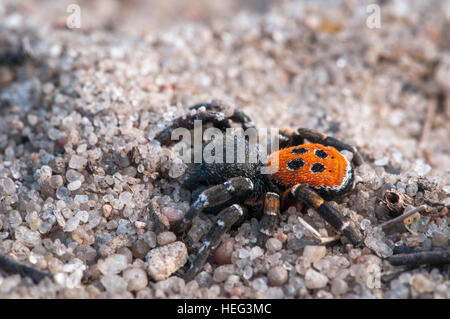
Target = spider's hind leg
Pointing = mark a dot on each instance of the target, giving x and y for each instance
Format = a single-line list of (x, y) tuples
[(226, 218), (327, 212)]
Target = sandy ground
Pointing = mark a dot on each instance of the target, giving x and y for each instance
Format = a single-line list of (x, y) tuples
[(78, 163)]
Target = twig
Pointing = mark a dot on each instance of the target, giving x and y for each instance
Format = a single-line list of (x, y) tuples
[(434, 257), (395, 220), (13, 267), (431, 110), (316, 234)]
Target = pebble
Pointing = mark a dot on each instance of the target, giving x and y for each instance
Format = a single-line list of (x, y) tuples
[(74, 185), (339, 286), (164, 261), (136, 279), (114, 284), (172, 214), (274, 244), (315, 280), (107, 209), (221, 273), (7, 186), (313, 253), (165, 238), (255, 252), (28, 237), (421, 283), (439, 239), (113, 264), (62, 192), (140, 248), (77, 162), (72, 224), (223, 253), (277, 276), (56, 181)]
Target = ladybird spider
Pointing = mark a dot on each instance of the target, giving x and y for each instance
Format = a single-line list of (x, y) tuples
[(307, 174)]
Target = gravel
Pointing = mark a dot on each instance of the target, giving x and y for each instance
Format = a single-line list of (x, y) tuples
[(165, 260), (79, 166)]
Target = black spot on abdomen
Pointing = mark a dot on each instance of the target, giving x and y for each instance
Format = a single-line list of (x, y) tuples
[(317, 168), (299, 150), (295, 164), (321, 154)]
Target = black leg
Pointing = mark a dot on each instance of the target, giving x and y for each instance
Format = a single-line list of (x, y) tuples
[(235, 188), (225, 220), (237, 116), (13, 267), (214, 114), (327, 212), (288, 138), (321, 138), (216, 118), (270, 217)]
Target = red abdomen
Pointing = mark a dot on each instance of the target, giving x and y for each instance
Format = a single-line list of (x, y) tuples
[(321, 167)]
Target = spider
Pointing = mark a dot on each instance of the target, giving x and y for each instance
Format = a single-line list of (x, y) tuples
[(307, 174)]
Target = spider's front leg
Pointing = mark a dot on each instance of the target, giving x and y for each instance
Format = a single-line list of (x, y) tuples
[(321, 138), (327, 212), (226, 218), (235, 188)]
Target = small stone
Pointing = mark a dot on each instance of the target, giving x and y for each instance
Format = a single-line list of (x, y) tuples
[(223, 253), (114, 284), (223, 272), (77, 162), (140, 248), (56, 181), (62, 192), (136, 279), (315, 280), (72, 224), (247, 273), (274, 244), (82, 199), (383, 161), (83, 216), (277, 276), (421, 283), (28, 237), (166, 238), (338, 286), (74, 185), (172, 214), (72, 175), (255, 252), (243, 253), (7, 186), (412, 189), (439, 239), (113, 265), (164, 261), (107, 209), (313, 253), (125, 198)]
